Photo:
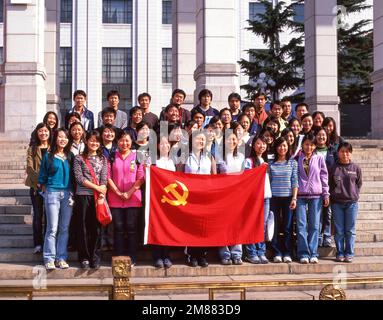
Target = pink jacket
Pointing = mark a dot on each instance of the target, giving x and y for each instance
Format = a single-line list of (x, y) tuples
[(124, 174)]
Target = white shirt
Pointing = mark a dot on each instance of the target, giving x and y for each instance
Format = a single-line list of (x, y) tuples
[(234, 164), (201, 166), (166, 163), (249, 165)]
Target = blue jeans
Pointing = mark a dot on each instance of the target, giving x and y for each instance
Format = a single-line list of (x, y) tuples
[(345, 232), (325, 227), (308, 226), (259, 249), (283, 216), (58, 212), (234, 252)]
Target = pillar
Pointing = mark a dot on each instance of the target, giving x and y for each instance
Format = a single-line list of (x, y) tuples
[(184, 47), (321, 57), (377, 76), (22, 91), (217, 56)]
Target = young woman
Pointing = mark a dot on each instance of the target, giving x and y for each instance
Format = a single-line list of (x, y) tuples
[(328, 153), (225, 116), (345, 183), (233, 162), (283, 173), (90, 163), (273, 123), (244, 121), (269, 136), (52, 121), (318, 118), (313, 189), (330, 126), (135, 118), (256, 253), (307, 123), (55, 180), (191, 126), (71, 118), (296, 127), (109, 146), (125, 177), (161, 255), (243, 147), (288, 134), (76, 139), (198, 162), (35, 155)]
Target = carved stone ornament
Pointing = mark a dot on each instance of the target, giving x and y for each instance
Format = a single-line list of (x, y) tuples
[(330, 292)]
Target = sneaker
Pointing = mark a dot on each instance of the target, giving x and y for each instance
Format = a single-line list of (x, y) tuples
[(85, 264), (263, 259), (287, 259), (159, 264), (193, 262), (50, 265), (339, 259), (253, 260), (314, 260), (237, 261), (167, 263), (226, 262), (38, 249), (348, 259), (62, 264), (304, 261), (203, 262), (277, 259)]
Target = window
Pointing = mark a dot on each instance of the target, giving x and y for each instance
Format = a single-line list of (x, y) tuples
[(66, 65), (167, 65), (117, 11), (299, 9), (166, 12), (117, 74), (1, 11), (254, 9), (66, 11)]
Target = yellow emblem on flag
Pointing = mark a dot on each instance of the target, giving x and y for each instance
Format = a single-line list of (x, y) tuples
[(180, 199)]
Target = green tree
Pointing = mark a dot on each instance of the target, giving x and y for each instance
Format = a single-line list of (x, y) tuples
[(284, 63), (355, 51)]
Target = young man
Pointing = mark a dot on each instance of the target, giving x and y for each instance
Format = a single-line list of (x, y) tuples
[(276, 111), (178, 98), (108, 116), (144, 100), (234, 100), (87, 117), (205, 97), (301, 109), (259, 101), (286, 106), (113, 98)]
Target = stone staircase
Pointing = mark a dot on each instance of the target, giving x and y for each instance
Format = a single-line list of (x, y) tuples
[(17, 262)]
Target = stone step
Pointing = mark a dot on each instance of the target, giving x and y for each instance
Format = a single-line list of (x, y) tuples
[(9, 242), (15, 219), (362, 249), (365, 225), (23, 200), (369, 236), (15, 229), (15, 209), (19, 175), (370, 197), (11, 181), (373, 206), (378, 177), (370, 215)]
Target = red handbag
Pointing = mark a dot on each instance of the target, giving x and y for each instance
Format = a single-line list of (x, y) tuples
[(103, 214)]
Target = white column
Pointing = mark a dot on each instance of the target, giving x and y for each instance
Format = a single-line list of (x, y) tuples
[(184, 47), (22, 92), (52, 54), (321, 57), (87, 52), (217, 54), (377, 76)]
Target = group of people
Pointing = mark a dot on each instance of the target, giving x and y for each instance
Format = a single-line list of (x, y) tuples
[(311, 183)]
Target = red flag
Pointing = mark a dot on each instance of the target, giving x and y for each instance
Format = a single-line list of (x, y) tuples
[(204, 210)]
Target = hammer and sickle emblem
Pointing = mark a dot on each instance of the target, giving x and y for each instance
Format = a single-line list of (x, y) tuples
[(180, 199)]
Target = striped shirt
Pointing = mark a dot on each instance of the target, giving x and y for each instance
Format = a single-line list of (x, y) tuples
[(283, 178)]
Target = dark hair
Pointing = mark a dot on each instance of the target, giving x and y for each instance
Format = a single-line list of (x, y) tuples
[(35, 136), (112, 93), (190, 123), (285, 99), (242, 115), (317, 130), (198, 112), (226, 136), (214, 120), (205, 92), (276, 102), (253, 155), (175, 91), (141, 125), (257, 95), (108, 126), (45, 120), (70, 130), (277, 143), (346, 145), (292, 120), (272, 119), (79, 93), (295, 144), (122, 133), (264, 130), (169, 106), (143, 95), (309, 137), (234, 95), (320, 113), (97, 135), (54, 147), (192, 136), (333, 136), (108, 110), (306, 115), (234, 125), (248, 106), (70, 115), (302, 104)]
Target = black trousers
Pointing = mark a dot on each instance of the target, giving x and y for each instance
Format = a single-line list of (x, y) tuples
[(38, 217), (88, 230)]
